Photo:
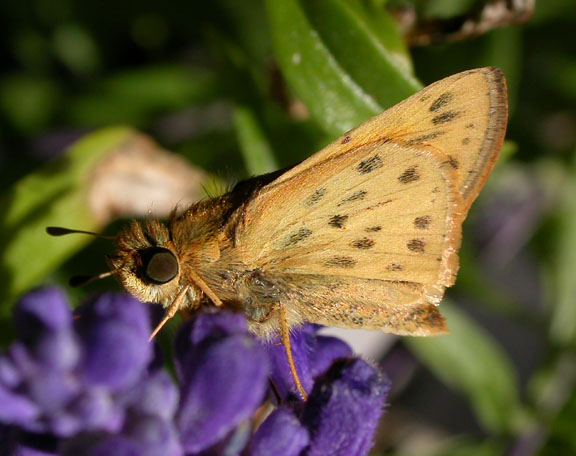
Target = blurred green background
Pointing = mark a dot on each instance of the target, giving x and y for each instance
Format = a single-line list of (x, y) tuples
[(241, 87)]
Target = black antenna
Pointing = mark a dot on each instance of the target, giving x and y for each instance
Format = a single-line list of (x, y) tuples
[(59, 231)]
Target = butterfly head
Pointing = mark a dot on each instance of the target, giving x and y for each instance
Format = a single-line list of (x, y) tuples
[(146, 262)]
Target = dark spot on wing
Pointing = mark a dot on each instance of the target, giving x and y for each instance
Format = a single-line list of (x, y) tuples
[(359, 195), (298, 236), (424, 98), (315, 197), (424, 138), (416, 245), (340, 262), (345, 140), (394, 267), (436, 190), (423, 222), (373, 229), (363, 243), (442, 101), (453, 162), (370, 164), (470, 125), (445, 117), (337, 221), (377, 205), (410, 175), (465, 141)]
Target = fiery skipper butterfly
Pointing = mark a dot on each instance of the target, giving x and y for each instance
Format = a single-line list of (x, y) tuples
[(363, 234)]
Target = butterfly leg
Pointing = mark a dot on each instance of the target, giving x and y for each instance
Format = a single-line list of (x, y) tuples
[(264, 314), (260, 303), (285, 332)]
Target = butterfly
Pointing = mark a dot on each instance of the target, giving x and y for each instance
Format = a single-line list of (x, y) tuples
[(363, 234)]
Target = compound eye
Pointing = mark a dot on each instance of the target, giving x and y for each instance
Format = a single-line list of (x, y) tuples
[(159, 265)]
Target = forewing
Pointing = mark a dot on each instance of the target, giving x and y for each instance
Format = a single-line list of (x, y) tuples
[(365, 233), (383, 211), (462, 117)]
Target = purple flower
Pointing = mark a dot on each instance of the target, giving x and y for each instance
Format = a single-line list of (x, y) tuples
[(114, 333), (312, 353), (224, 376), (90, 383), (72, 375), (281, 434), (344, 408), (344, 405)]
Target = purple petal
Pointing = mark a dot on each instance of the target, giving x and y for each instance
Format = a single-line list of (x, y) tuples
[(41, 313), (303, 343), (328, 349), (115, 354), (114, 330), (119, 307), (225, 383), (281, 434), (63, 424), (154, 436), (204, 326), (216, 326), (41, 310), (96, 410), (16, 408), (156, 396), (57, 350), (23, 360), (344, 408), (52, 391), (9, 375)]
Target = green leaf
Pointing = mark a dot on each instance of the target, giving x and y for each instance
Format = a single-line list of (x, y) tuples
[(52, 195), (470, 361), (164, 86), (509, 150), (461, 446), (134, 96), (28, 102), (368, 58), (77, 49), (383, 25), (444, 9), (563, 324), (342, 71), (239, 26), (564, 70), (557, 399), (503, 49), (255, 148)]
